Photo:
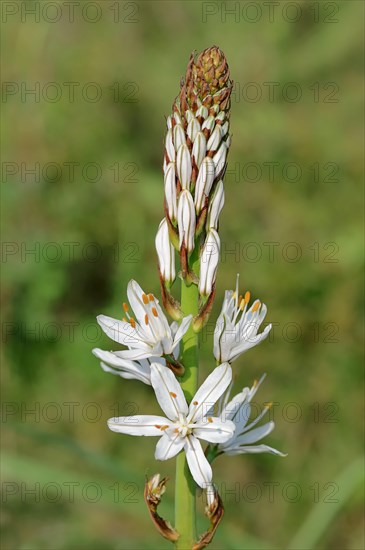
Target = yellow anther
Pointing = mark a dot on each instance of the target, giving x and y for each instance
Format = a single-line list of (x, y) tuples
[(158, 426), (125, 307), (145, 298), (125, 320), (154, 311), (195, 403), (151, 297), (173, 394), (268, 405), (256, 306), (132, 322), (210, 419), (164, 427), (146, 320), (247, 297)]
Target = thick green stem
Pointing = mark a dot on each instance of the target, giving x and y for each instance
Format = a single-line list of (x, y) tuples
[(185, 512)]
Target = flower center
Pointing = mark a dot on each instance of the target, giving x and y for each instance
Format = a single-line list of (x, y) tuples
[(182, 427)]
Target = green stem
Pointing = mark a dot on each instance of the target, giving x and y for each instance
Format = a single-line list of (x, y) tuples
[(185, 512)]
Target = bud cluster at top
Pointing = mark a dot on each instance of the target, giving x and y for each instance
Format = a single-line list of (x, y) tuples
[(196, 147)]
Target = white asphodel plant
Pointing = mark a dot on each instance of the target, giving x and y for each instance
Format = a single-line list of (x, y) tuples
[(164, 355)]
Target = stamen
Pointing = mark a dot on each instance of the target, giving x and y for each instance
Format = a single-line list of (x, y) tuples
[(163, 428), (125, 307), (268, 405), (176, 430), (125, 320), (256, 306), (151, 297), (247, 297), (173, 394), (195, 402), (154, 311), (145, 298), (210, 419), (132, 322), (158, 426), (146, 319)]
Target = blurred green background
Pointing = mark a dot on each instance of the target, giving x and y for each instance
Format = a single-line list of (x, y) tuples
[(83, 223)]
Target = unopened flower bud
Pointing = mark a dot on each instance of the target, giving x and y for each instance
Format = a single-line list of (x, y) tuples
[(220, 158), (215, 139), (183, 166), (170, 146), (170, 191), (186, 220), (179, 136), (209, 123), (202, 112), (204, 183), (193, 128), (209, 262), (215, 206), (165, 253), (199, 148)]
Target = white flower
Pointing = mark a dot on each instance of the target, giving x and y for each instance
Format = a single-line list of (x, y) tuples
[(209, 262), (239, 410), (165, 252), (184, 424), (186, 220), (147, 335), (215, 206), (237, 327)]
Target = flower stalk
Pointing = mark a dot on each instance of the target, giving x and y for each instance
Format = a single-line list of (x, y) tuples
[(165, 356)]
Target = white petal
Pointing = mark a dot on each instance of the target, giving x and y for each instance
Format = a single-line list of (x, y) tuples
[(121, 332), (167, 447), (198, 464), (208, 393), (139, 353), (184, 326), (214, 429), (254, 449), (124, 367), (139, 425), (252, 436), (126, 374), (168, 391)]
